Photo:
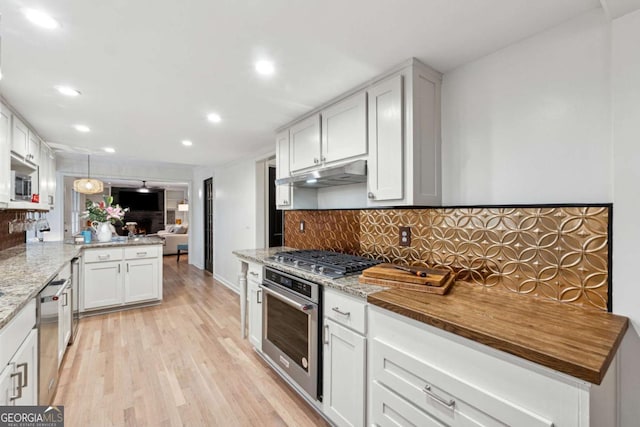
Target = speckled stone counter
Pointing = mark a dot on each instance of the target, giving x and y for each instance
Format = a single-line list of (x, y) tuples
[(26, 269), (348, 285)]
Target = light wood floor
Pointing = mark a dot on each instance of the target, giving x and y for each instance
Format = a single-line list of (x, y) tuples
[(178, 363)]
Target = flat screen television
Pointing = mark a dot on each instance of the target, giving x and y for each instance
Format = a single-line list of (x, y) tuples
[(136, 201)]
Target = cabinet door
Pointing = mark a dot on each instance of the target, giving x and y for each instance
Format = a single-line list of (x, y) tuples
[(102, 284), (5, 148), (344, 375), (25, 363), (43, 174), (19, 137), (283, 192), (142, 280), (51, 178), (304, 148), (33, 148), (386, 144), (64, 329), (344, 129), (255, 314)]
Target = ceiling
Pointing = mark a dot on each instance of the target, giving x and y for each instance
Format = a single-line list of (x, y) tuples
[(151, 71)]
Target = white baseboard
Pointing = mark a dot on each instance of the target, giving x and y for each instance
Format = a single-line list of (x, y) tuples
[(228, 284)]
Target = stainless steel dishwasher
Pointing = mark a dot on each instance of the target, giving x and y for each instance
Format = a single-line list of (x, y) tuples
[(48, 324)]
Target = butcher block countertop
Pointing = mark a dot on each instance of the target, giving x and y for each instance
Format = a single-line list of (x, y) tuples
[(578, 342)]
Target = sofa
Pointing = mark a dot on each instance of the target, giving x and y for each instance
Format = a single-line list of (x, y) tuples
[(172, 236)]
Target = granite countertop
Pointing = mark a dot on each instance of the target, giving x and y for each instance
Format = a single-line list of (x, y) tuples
[(27, 268), (123, 241), (576, 341), (348, 285)]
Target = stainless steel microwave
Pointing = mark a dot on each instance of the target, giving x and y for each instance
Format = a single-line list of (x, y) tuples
[(21, 186)]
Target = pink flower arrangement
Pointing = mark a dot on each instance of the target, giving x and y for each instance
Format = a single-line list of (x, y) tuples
[(104, 211)]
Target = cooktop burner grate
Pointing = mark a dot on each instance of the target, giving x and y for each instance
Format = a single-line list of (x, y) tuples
[(325, 262)]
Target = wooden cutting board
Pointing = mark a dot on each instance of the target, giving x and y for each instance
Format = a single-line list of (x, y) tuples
[(438, 290), (435, 277)]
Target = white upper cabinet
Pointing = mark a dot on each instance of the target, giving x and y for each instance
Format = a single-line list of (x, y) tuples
[(283, 192), (386, 160), (404, 139), (344, 129), (20, 138), (5, 148), (33, 148), (304, 144)]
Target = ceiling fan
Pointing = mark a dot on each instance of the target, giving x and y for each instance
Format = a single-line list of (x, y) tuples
[(144, 188)]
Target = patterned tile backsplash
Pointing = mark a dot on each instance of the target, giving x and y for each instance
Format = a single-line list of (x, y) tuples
[(558, 253)]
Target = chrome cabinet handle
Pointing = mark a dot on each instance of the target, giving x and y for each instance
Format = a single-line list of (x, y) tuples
[(127, 267), (19, 388), (141, 253), (323, 159), (118, 268), (315, 160), (104, 256), (371, 195), (449, 404), (26, 373), (66, 303), (337, 310), (259, 296), (253, 273), (326, 334)]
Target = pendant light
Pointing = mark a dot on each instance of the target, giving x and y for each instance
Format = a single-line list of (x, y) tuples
[(88, 185), (144, 188)]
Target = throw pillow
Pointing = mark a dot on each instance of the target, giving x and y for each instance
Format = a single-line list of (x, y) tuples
[(169, 228), (179, 230)]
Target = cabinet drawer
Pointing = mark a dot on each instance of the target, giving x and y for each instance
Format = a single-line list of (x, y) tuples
[(15, 332), (254, 272), (346, 310), (389, 409), (142, 252), (445, 396), (102, 255)]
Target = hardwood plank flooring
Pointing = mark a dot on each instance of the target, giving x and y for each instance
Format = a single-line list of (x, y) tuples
[(180, 363)]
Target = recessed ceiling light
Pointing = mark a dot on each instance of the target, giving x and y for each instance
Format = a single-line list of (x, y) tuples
[(41, 19), (68, 91), (82, 128), (265, 67), (187, 143), (109, 149), (214, 117)]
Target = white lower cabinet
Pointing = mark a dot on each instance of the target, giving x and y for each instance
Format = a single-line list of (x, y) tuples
[(141, 280), (19, 359), (428, 377), (19, 379), (64, 319), (255, 313), (344, 375), (254, 296), (115, 277), (344, 359)]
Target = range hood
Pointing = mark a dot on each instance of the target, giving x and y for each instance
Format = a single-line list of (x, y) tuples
[(347, 173)]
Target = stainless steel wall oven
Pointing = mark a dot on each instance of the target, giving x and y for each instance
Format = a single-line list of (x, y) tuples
[(291, 324)]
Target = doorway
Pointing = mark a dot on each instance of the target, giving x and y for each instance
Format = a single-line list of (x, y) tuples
[(275, 215), (208, 224)]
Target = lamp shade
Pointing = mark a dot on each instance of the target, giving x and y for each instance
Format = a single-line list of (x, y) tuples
[(88, 186), (183, 207)]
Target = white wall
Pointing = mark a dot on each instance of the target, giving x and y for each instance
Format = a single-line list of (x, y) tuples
[(530, 123), (625, 71), (235, 214)]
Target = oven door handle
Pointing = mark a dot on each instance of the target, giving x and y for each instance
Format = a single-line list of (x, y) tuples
[(296, 304)]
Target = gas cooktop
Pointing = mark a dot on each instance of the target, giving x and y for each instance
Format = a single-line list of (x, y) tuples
[(325, 263)]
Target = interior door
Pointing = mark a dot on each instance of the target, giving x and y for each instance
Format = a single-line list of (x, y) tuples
[(208, 224)]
